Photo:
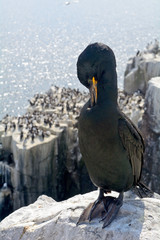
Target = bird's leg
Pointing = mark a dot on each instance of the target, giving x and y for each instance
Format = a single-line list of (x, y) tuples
[(112, 206), (105, 207), (93, 210), (95, 204)]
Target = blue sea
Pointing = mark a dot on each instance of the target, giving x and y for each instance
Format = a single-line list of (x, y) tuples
[(40, 41)]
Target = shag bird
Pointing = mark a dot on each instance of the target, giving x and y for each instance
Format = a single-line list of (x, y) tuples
[(111, 145)]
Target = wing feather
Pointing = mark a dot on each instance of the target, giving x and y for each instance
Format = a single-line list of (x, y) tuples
[(133, 143)]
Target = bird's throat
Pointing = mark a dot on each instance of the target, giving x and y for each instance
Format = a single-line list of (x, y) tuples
[(106, 94)]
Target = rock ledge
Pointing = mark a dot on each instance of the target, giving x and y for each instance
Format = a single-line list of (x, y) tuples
[(48, 219)]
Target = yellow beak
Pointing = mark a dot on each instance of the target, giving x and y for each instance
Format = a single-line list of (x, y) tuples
[(93, 92)]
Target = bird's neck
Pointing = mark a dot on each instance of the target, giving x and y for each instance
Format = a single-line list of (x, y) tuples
[(107, 94)]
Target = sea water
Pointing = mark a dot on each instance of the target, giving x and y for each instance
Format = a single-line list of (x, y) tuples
[(40, 41)]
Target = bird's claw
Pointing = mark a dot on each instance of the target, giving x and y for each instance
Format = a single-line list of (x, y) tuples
[(112, 210), (105, 208), (93, 210), (85, 214)]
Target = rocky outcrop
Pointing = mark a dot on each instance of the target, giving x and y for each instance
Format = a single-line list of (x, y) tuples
[(132, 105), (151, 133), (48, 219), (40, 153), (152, 104), (142, 73), (141, 68)]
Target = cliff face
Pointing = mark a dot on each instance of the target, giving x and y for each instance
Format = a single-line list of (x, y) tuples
[(40, 153), (35, 167), (143, 73), (141, 68), (151, 132)]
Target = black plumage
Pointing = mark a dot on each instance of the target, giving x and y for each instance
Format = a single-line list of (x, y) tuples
[(111, 145)]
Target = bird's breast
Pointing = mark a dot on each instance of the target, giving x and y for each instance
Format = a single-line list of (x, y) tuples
[(105, 158)]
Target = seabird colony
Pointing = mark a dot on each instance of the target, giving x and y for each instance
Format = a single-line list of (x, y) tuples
[(53, 110), (46, 113)]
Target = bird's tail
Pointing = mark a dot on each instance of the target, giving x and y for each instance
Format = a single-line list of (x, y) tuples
[(143, 191)]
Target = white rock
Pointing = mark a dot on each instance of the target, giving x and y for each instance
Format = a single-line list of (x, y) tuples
[(136, 116), (139, 71), (1, 131), (134, 81), (152, 100), (47, 219)]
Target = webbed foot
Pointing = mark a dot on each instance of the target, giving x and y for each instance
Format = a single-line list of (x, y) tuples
[(93, 210), (111, 206), (105, 208)]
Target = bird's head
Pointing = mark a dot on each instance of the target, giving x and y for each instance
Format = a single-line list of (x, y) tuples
[(96, 68)]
